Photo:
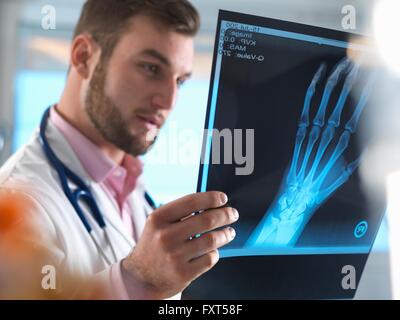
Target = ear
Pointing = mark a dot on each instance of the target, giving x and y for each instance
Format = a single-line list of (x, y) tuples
[(82, 51)]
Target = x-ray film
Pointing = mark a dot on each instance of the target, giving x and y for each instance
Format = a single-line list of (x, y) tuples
[(286, 138)]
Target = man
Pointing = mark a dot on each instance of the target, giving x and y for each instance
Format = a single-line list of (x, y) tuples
[(128, 60)]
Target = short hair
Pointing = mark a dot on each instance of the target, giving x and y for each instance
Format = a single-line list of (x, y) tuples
[(105, 20)]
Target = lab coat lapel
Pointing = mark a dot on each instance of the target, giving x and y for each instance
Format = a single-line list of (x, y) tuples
[(139, 217), (64, 152), (140, 208)]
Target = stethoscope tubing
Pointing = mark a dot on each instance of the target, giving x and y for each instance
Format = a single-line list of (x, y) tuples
[(82, 191)]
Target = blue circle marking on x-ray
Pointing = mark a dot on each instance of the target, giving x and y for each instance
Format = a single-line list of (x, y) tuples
[(360, 229)]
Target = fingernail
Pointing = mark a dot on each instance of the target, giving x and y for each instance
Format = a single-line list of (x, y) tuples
[(232, 232), (235, 213), (224, 198)]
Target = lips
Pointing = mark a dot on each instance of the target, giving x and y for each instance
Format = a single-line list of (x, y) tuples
[(151, 121)]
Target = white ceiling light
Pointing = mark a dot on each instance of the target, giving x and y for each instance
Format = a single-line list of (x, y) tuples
[(386, 28)]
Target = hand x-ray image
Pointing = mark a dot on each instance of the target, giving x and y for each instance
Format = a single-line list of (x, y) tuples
[(303, 211), (314, 172)]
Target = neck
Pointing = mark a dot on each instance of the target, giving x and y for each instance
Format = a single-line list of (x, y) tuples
[(73, 112)]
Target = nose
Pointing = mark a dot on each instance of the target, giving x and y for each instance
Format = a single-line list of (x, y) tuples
[(165, 97)]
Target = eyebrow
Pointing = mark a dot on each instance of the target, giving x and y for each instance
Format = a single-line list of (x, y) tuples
[(157, 55), (161, 58)]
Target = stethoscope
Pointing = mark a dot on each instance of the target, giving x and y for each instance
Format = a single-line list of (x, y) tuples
[(82, 191)]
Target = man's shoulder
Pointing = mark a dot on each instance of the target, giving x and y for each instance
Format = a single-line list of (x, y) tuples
[(26, 167)]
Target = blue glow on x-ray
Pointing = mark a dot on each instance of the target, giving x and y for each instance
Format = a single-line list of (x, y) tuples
[(225, 25), (211, 120), (304, 188), (262, 251)]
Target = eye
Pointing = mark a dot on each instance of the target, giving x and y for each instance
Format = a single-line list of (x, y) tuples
[(151, 69), (180, 82)]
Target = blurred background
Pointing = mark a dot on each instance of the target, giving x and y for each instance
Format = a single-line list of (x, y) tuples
[(34, 62)]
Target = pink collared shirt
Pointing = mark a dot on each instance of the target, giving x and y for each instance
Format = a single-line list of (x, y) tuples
[(117, 180)]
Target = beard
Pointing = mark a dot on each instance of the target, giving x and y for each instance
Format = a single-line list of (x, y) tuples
[(108, 120)]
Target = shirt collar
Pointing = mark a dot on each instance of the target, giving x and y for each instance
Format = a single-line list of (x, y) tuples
[(98, 165)]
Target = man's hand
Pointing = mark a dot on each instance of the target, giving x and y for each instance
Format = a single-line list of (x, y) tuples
[(169, 256)]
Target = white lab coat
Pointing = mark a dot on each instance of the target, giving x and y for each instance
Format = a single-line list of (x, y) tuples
[(29, 172)]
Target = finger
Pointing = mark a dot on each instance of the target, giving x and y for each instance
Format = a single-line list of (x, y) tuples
[(346, 173), (205, 221), (351, 125), (304, 122), (208, 242), (334, 119), (203, 264), (181, 208), (350, 128), (333, 79), (304, 118)]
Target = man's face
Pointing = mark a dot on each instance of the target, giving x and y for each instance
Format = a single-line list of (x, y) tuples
[(131, 93)]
